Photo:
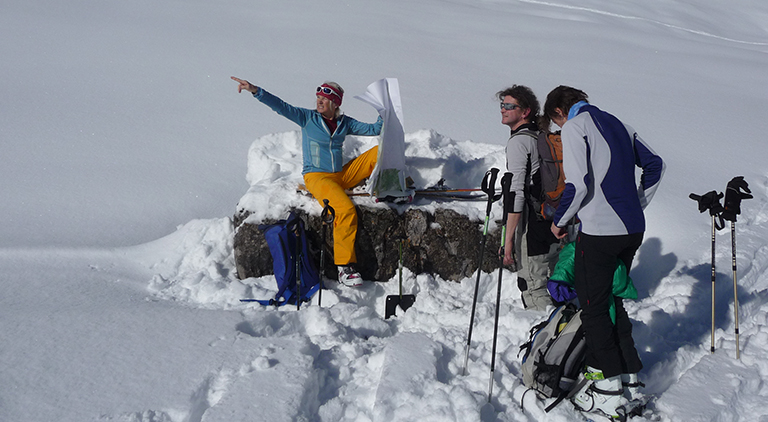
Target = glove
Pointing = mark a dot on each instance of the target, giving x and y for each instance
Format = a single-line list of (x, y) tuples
[(709, 201), (733, 197)]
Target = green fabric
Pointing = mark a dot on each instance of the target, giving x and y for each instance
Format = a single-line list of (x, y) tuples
[(622, 282)]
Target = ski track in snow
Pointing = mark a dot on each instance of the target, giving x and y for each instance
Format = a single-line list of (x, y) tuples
[(638, 18)]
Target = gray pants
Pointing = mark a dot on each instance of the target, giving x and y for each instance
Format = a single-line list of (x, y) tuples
[(534, 269)]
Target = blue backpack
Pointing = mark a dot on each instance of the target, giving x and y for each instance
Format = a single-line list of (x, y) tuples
[(281, 239)]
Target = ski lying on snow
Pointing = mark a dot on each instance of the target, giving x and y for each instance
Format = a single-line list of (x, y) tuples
[(464, 194)]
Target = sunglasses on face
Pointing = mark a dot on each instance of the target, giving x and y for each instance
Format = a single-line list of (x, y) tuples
[(327, 91), (510, 106)]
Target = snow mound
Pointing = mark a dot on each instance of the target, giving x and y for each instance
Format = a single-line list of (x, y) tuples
[(274, 170)]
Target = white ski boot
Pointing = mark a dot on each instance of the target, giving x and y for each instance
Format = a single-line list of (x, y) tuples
[(637, 400), (349, 277), (632, 387), (602, 395)]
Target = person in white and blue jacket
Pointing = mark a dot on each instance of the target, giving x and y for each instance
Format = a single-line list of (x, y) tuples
[(326, 176), (600, 154)]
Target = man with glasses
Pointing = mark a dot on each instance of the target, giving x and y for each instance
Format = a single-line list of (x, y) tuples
[(526, 237), (323, 131)]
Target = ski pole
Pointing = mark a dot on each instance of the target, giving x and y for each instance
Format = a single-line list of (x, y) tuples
[(326, 217), (735, 287), (489, 187), (711, 201), (509, 197), (733, 197), (298, 267), (712, 345), (400, 266)]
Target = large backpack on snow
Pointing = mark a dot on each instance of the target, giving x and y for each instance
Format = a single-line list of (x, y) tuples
[(550, 146), (282, 241), (555, 354)]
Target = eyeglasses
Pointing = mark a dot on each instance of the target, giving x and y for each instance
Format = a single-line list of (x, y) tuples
[(510, 106), (327, 91)]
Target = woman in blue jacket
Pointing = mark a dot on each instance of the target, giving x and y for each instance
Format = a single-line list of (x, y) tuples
[(323, 131)]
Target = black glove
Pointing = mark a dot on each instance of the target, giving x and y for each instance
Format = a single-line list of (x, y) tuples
[(709, 201), (733, 197)]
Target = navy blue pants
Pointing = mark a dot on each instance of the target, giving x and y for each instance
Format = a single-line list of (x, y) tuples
[(610, 347)]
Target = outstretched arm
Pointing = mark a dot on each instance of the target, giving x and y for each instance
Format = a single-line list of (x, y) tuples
[(297, 115), (245, 85)]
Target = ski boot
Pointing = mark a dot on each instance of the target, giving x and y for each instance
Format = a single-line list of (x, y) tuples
[(349, 277), (632, 387), (637, 400), (600, 395)]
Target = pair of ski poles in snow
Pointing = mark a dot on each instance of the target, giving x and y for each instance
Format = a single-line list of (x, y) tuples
[(489, 187), (736, 190)]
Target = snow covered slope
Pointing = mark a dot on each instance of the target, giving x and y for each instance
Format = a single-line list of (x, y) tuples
[(124, 149)]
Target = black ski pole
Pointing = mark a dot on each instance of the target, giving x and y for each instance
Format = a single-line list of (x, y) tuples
[(711, 201), (489, 187), (298, 267), (714, 274), (326, 217), (509, 198), (733, 197), (735, 287)]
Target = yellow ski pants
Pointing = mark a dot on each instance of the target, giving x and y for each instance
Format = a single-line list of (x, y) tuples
[(331, 186)]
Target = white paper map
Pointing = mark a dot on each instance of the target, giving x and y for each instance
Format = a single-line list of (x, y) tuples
[(388, 177)]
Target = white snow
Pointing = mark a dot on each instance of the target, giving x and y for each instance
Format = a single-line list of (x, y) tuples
[(125, 149)]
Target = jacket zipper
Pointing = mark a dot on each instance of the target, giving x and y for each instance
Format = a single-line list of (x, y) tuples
[(330, 142)]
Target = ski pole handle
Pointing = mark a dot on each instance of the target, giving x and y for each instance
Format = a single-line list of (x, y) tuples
[(328, 214), (509, 197), (489, 181), (711, 201), (737, 189), (489, 186), (507, 206)]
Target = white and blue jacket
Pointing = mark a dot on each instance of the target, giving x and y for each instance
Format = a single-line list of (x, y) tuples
[(321, 149), (599, 158)]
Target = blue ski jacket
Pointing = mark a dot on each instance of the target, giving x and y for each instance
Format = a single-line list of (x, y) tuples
[(599, 158), (321, 149)]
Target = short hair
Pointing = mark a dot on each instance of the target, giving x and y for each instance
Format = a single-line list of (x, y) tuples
[(563, 97), (525, 97)]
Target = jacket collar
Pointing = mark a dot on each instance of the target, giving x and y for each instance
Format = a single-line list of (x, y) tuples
[(575, 109), (530, 126)]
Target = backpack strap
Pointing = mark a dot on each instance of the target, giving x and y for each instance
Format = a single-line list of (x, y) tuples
[(563, 394), (522, 399), (560, 397), (282, 241), (529, 169)]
